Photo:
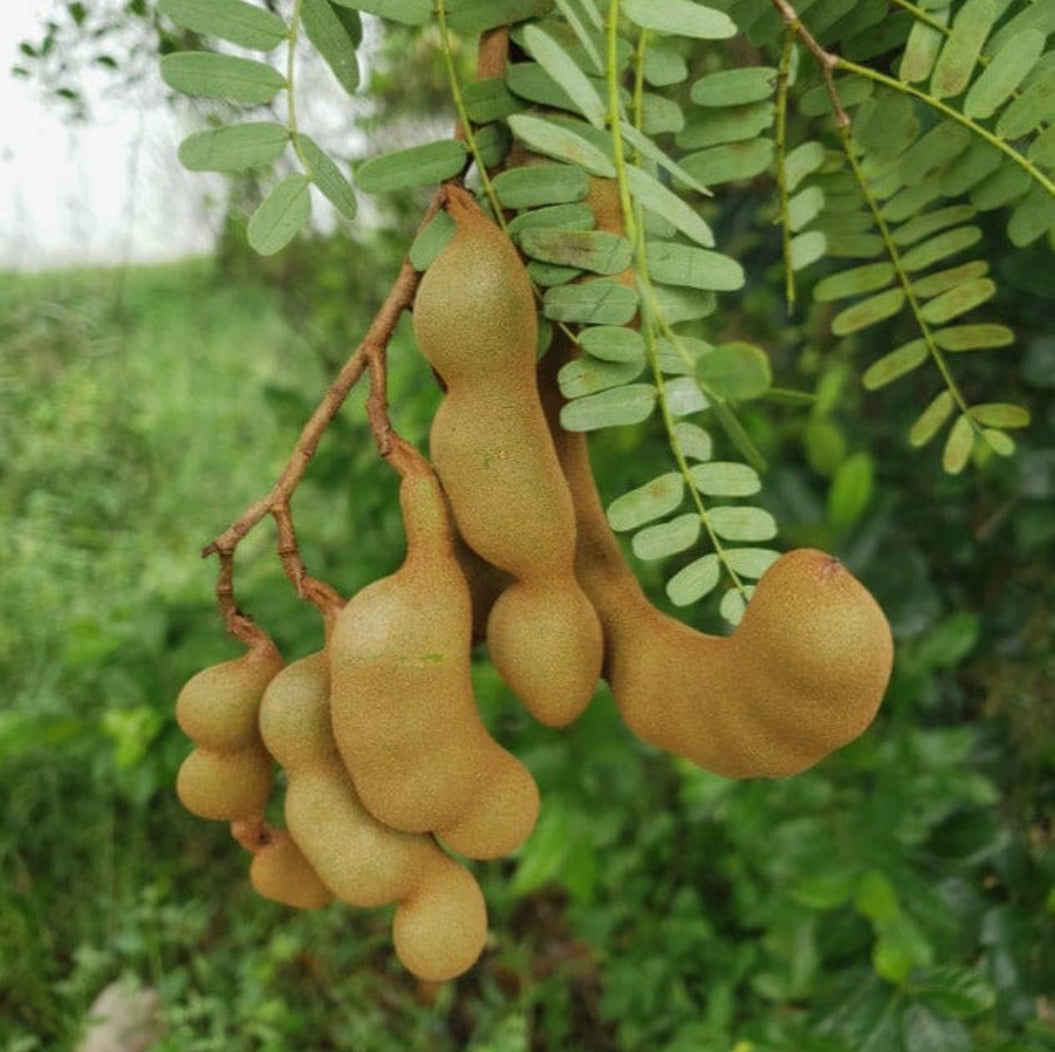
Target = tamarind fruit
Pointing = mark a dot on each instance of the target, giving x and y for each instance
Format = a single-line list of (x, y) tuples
[(440, 922), (802, 674), (401, 697), (229, 774), (280, 872), (474, 320)]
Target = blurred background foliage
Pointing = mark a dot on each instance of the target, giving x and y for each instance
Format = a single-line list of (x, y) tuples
[(900, 897)]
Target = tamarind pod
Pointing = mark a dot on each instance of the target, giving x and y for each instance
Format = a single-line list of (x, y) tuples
[(437, 931), (225, 786), (217, 706), (280, 872), (362, 861), (474, 320), (803, 673), (486, 583), (402, 707)]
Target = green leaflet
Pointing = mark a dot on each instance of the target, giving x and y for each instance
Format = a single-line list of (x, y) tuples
[(731, 161), (851, 491), (725, 479), (1005, 72), (677, 264), (973, 337), (280, 216), (958, 445), (750, 562), (233, 20), (431, 241), (695, 580), (616, 407), (549, 275), (922, 47), (804, 207), (742, 523), (868, 312), (895, 365), (586, 376), (886, 125), (1000, 414), (541, 184), (664, 66), (804, 160), (474, 16), (221, 77), (489, 100), (492, 144), (807, 248), (528, 80), (660, 115), (561, 141), (332, 40), (651, 194), (940, 247), (613, 343), (735, 87), (680, 356), (959, 54), (941, 280), (407, 12), (328, 177), (684, 397), (943, 143), (235, 147), (601, 302), (957, 301), (666, 538), (414, 166), (680, 18), (559, 65), (1032, 108), (592, 250), (734, 605), (931, 223), (716, 126), (693, 441), (647, 503), (854, 282), (1032, 218), (556, 217), (931, 419)]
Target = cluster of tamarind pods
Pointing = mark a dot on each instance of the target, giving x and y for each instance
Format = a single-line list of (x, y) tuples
[(391, 777)]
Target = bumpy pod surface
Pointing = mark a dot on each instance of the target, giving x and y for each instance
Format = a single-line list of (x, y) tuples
[(401, 699), (474, 320), (229, 774), (803, 673), (280, 872), (362, 861)]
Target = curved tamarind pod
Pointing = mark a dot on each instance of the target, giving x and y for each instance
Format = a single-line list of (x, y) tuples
[(281, 873), (229, 774), (227, 785), (474, 320), (401, 699), (363, 862), (803, 673), (217, 706)]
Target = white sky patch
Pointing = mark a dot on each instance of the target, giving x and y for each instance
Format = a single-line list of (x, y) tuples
[(109, 191)]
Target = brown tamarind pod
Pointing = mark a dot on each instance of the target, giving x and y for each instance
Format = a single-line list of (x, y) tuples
[(280, 872), (474, 320), (802, 674), (224, 786), (401, 699), (217, 706), (363, 862), (229, 774)]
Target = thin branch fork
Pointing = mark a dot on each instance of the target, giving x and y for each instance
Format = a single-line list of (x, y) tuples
[(828, 61)]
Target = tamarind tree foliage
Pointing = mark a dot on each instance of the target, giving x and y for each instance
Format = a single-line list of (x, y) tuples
[(789, 267)]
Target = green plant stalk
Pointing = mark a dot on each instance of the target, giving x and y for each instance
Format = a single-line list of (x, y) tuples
[(783, 76), (652, 314), (922, 16), (291, 109), (463, 114)]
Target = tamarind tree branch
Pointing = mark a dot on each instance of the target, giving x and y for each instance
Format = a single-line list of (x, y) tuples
[(371, 354)]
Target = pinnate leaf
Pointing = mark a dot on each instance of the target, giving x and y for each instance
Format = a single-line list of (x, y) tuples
[(280, 216), (647, 503), (234, 20), (411, 167), (234, 148), (694, 581), (216, 76)]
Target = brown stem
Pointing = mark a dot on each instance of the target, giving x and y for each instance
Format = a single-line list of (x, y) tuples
[(370, 354), (828, 62), (252, 832)]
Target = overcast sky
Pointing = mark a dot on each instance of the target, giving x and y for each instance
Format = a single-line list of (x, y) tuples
[(110, 191)]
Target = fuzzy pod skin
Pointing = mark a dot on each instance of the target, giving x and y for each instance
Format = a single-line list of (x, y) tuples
[(803, 674), (362, 861), (280, 872), (474, 320), (225, 786), (401, 698)]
